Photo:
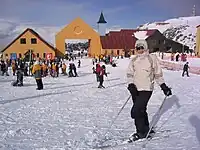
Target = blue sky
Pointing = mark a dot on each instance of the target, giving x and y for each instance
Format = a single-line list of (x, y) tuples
[(123, 13)]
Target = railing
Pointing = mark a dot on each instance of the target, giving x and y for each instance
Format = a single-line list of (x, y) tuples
[(177, 67)]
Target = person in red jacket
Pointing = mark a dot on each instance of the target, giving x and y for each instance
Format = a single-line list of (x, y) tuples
[(98, 69), (101, 75)]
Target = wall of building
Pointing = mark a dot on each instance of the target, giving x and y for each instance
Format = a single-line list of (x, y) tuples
[(197, 50), (114, 52), (156, 42), (21, 49), (78, 29)]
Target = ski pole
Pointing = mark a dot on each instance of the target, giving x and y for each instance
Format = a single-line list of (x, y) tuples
[(113, 121), (157, 114)]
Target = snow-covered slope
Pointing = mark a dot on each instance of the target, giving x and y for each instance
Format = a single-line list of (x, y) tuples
[(73, 114), (181, 29)]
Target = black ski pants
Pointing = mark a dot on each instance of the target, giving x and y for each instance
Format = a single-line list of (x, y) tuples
[(138, 111), (184, 73), (101, 80), (39, 84)]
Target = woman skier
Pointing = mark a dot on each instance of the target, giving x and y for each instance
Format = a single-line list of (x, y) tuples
[(142, 71)]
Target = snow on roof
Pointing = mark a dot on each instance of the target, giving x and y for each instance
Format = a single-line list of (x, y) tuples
[(142, 35)]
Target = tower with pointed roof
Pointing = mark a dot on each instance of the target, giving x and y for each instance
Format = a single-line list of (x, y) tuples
[(102, 25), (194, 11)]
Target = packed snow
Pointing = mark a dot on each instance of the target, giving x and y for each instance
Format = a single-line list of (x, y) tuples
[(73, 114)]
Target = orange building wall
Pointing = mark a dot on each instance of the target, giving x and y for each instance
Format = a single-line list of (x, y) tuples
[(78, 29), (109, 52), (197, 50), (18, 48)]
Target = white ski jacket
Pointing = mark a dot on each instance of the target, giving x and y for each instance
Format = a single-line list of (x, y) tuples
[(143, 70)]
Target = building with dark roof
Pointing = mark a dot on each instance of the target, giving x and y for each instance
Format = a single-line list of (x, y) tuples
[(123, 42)]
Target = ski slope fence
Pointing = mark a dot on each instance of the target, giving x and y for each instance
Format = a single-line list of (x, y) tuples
[(177, 67)]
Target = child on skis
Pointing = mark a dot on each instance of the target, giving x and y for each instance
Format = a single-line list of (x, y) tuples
[(101, 76), (97, 71)]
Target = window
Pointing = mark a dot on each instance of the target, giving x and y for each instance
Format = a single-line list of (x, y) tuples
[(44, 55), (20, 55), (154, 42), (22, 41), (112, 52), (118, 52), (38, 55), (33, 41)]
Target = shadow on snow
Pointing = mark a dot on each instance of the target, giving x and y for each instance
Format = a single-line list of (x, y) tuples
[(168, 104), (195, 122), (35, 96)]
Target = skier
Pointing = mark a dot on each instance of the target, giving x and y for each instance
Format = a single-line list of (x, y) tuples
[(57, 69), (4, 68), (79, 63), (74, 69), (64, 67), (101, 75), (71, 70), (98, 69), (19, 81), (26, 69), (38, 75), (14, 67), (143, 69), (185, 69), (177, 57)]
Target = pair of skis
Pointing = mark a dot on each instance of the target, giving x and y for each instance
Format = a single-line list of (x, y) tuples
[(146, 139), (125, 141)]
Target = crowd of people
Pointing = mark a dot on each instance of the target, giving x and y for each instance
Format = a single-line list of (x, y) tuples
[(39, 68), (177, 56)]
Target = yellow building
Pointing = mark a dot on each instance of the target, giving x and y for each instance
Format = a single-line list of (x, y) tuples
[(28, 41), (197, 48), (78, 29)]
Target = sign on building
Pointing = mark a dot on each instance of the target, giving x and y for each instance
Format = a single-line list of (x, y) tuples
[(13, 56), (49, 56)]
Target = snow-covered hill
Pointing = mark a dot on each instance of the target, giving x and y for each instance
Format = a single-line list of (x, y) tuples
[(181, 29)]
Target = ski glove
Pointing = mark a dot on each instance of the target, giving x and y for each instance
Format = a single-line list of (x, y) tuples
[(106, 74), (167, 91), (133, 89)]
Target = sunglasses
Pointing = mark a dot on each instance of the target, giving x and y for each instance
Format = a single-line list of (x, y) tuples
[(139, 48)]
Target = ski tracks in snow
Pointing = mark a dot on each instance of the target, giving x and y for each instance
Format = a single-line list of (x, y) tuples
[(71, 112)]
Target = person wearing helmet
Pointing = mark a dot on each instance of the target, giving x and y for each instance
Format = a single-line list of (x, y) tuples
[(142, 71)]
